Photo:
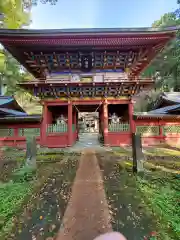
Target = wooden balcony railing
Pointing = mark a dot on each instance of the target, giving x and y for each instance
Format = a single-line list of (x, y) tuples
[(104, 80)]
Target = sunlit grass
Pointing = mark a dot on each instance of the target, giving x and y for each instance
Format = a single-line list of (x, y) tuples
[(162, 197), (162, 152), (120, 151)]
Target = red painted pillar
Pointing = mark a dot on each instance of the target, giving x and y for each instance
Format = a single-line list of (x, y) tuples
[(77, 126), (70, 121), (74, 118), (131, 120), (44, 124), (101, 124), (105, 122), (49, 117)]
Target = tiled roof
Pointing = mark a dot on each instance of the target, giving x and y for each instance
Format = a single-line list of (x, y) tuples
[(10, 100), (87, 30), (173, 97), (147, 115), (20, 119), (165, 110), (5, 100), (13, 112)]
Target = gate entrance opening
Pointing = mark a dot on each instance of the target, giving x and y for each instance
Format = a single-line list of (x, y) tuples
[(88, 122)]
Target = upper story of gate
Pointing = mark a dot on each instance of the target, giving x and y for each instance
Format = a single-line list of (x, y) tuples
[(86, 55)]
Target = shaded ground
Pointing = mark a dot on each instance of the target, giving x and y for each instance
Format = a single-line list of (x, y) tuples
[(9, 161), (87, 213), (128, 211), (42, 211), (6, 168), (45, 210), (137, 205)]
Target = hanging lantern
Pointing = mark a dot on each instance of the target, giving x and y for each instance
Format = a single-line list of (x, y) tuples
[(86, 63)]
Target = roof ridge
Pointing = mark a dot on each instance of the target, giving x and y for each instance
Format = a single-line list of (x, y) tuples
[(140, 30)]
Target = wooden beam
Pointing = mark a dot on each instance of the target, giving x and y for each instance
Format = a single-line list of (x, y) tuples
[(143, 54), (154, 50)]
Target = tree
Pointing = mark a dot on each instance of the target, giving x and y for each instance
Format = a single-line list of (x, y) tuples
[(30, 3), (166, 67), (13, 14)]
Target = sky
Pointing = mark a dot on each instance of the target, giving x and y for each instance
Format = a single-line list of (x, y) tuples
[(100, 13)]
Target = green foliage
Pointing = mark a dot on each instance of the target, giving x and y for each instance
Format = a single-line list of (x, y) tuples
[(14, 15), (24, 174), (11, 198), (162, 195), (166, 67), (50, 158), (30, 3)]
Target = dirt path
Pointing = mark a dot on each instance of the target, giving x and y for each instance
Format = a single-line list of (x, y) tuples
[(87, 212)]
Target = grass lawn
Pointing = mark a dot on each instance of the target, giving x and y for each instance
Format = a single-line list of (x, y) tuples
[(126, 204), (120, 151), (142, 204), (162, 152), (162, 193), (28, 205)]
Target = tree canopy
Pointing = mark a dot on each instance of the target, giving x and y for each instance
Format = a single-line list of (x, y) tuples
[(165, 69), (13, 16)]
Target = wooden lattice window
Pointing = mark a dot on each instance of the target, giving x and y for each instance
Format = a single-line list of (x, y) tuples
[(6, 132), (171, 129), (148, 130), (25, 132)]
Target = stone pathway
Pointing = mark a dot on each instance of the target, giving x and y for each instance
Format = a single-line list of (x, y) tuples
[(87, 213), (87, 140)]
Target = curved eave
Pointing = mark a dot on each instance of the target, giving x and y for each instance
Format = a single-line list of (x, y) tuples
[(4, 100), (168, 98), (12, 112), (20, 42), (11, 103), (21, 119), (84, 31), (32, 84), (166, 110)]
